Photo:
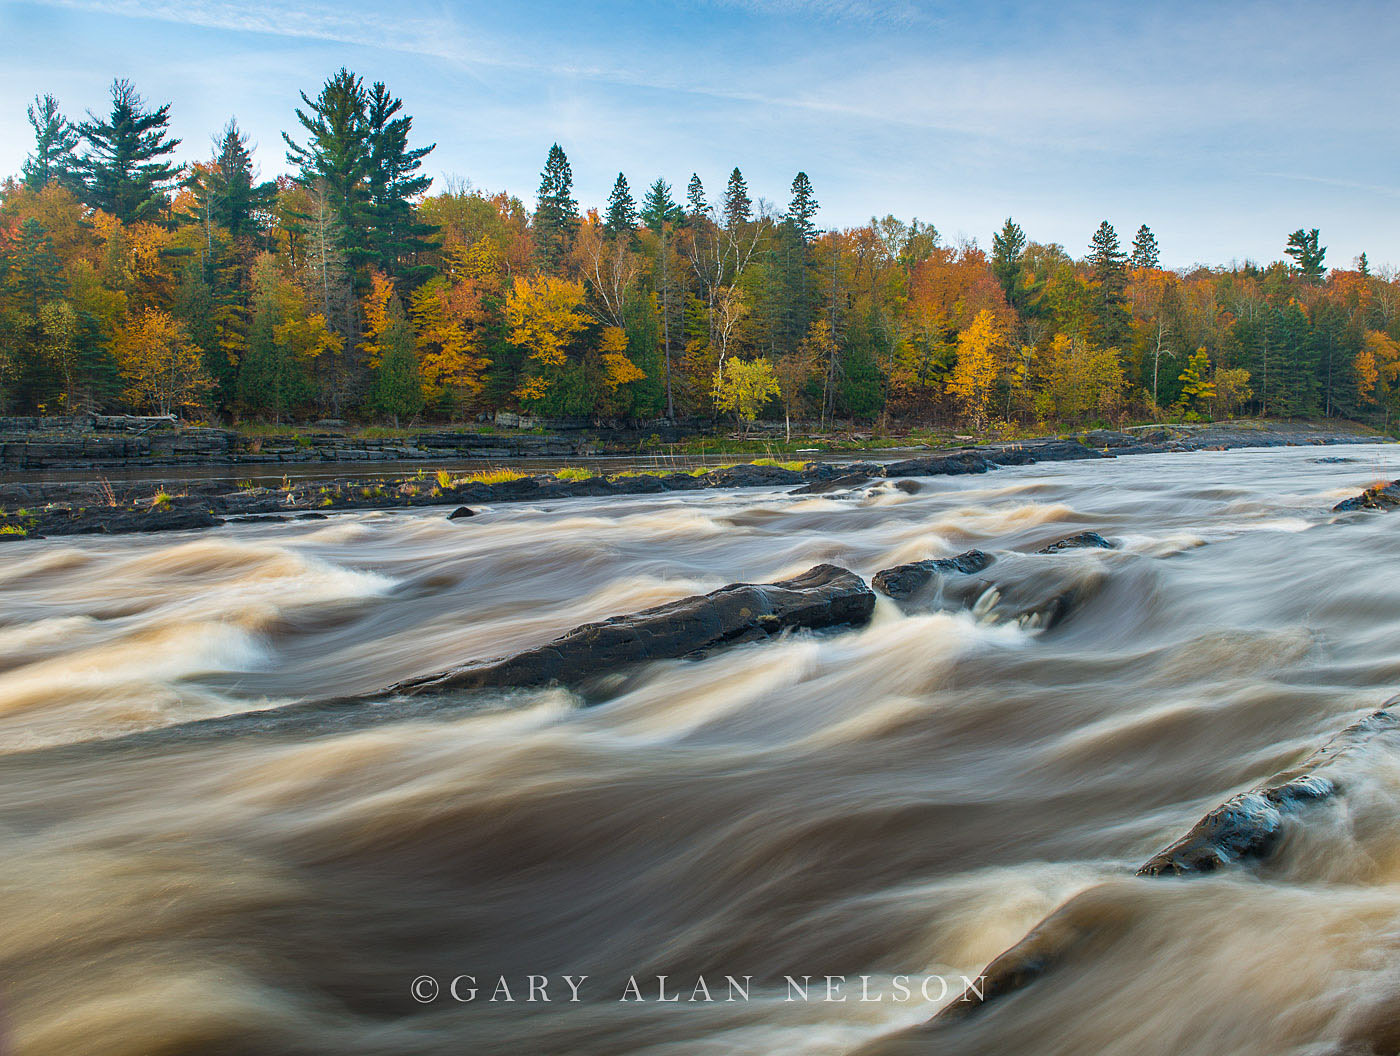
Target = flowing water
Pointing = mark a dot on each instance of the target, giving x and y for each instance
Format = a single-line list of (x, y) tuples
[(905, 799)]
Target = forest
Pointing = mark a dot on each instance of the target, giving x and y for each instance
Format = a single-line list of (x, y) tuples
[(352, 289)]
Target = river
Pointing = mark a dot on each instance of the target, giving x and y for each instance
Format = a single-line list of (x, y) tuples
[(906, 799)]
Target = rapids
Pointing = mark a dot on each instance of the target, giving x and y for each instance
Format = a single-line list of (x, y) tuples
[(905, 799)]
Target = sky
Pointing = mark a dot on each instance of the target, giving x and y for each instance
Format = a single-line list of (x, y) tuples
[(1222, 126)]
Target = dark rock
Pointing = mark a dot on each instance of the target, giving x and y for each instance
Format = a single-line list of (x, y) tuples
[(1248, 825), (1084, 540), (1333, 460), (903, 580), (824, 596), (825, 487), (1376, 497), (459, 513), (909, 487), (940, 465)]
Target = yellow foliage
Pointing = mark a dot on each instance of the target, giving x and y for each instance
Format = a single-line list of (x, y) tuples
[(162, 368), (544, 313), (981, 351), (376, 306), (744, 387), (617, 368)]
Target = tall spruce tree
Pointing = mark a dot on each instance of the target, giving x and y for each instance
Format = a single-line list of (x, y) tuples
[(336, 157), (802, 208), (659, 208), (1008, 245), (738, 206), (397, 239), (1145, 254), (55, 146), (227, 191), (556, 211), (695, 204), (621, 218), (1307, 255), (1108, 265), (124, 167)]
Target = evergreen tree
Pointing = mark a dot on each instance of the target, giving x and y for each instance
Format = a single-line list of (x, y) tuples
[(397, 238), (696, 206), (226, 194), (124, 170), (1008, 245), (738, 207), (802, 208), (1108, 266), (55, 146), (1144, 253), (621, 217), (336, 157), (1364, 266), (658, 208), (1307, 255), (556, 211), (397, 388)]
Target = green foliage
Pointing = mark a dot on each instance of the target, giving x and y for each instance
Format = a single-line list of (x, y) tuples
[(125, 168)]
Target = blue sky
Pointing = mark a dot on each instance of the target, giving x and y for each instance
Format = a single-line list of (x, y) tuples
[(1222, 126)]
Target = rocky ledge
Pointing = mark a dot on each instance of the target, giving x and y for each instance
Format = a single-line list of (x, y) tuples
[(37, 509)]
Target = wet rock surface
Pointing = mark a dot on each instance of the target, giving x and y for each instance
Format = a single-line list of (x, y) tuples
[(901, 581), (823, 596), (1247, 827), (1082, 541), (1377, 497)]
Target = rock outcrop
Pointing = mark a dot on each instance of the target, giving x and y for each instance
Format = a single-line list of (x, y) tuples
[(901, 581), (824, 596), (1082, 541)]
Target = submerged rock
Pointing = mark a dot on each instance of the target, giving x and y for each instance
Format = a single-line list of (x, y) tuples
[(1249, 825), (459, 513), (824, 596), (1082, 541), (1244, 827), (903, 580)]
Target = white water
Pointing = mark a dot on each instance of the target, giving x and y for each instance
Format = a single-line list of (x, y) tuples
[(906, 798)]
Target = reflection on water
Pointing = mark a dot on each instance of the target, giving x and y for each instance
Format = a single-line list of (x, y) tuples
[(907, 798)]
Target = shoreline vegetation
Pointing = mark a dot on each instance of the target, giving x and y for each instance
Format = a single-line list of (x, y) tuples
[(38, 509), (351, 288)]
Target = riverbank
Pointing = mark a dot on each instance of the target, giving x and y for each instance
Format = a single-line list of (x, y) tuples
[(35, 509)]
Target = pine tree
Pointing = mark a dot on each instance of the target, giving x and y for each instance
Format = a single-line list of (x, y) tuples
[(1106, 257), (1144, 253), (397, 238), (802, 208), (556, 211), (621, 218), (696, 206), (1008, 245), (1108, 265), (336, 157), (123, 167), (738, 207), (658, 208), (1307, 255), (55, 146), (227, 193), (1364, 266)]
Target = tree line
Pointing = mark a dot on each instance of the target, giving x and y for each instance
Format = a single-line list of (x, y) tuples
[(353, 289)]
